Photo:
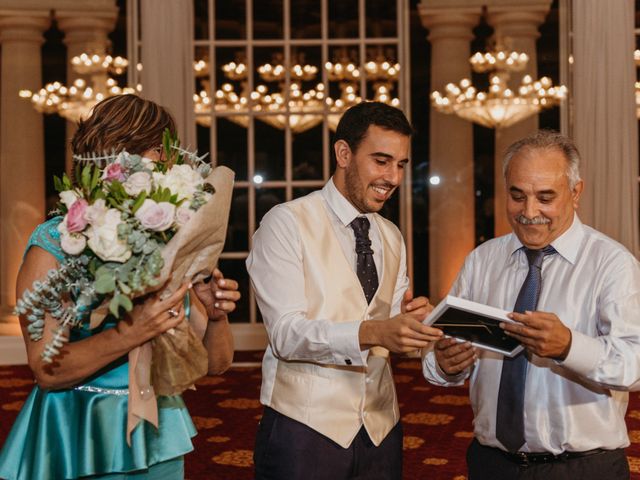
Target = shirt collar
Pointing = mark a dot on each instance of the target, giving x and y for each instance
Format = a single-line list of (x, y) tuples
[(341, 207), (567, 244)]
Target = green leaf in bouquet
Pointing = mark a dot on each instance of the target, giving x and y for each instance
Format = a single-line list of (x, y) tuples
[(57, 184), (66, 182), (122, 273), (113, 306), (85, 180), (148, 246), (137, 246), (126, 289), (105, 282), (118, 192), (125, 302), (94, 265), (95, 178), (97, 194), (124, 231), (135, 282), (118, 301), (139, 201), (156, 261), (77, 172), (167, 141), (161, 195)]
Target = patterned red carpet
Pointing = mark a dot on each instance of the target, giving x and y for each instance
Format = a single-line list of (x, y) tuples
[(226, 410)]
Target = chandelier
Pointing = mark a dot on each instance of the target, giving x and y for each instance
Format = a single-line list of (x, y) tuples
[(380, 71), (301, 110), (225, 98), (305, 109), (75, 102), (500, 106), (294, 106)]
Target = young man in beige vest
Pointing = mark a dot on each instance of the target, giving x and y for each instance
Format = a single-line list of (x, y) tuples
[(330, 280)]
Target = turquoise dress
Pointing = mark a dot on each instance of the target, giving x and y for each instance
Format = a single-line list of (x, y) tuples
[(67, 434)]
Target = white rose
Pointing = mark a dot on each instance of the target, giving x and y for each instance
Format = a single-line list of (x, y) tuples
[(68, 197), (183, 215), (71, 243), (104, 241), (156, 216), (138, 182), (181, 180), (96, 212)]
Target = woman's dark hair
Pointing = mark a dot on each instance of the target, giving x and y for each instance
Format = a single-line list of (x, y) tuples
[(356, 121), (122, 122)]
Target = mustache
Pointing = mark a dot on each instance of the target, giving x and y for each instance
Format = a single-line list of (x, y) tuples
[(532, 221)]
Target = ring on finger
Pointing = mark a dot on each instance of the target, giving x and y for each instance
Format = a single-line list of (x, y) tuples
[(173, 312)]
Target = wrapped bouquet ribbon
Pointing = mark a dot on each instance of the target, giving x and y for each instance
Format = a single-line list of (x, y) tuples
[(173, 361)]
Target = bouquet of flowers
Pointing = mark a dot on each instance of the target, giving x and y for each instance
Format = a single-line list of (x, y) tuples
[(131, 226)]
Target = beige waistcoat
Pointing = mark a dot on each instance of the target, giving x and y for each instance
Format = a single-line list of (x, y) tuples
[(336, 400)]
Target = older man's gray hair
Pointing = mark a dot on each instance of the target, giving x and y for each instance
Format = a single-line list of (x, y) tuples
[(547, 140)]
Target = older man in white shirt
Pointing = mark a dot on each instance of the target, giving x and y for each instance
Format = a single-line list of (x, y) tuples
[(330, 279), (557, 411)]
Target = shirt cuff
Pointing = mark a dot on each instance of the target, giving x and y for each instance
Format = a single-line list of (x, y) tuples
[(344, 341), (434, 374), (584, 354)]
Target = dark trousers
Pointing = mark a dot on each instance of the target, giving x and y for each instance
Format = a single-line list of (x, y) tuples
[(289, 450), (487, 463)]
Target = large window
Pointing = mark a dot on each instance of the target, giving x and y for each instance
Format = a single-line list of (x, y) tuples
[(269, 99)]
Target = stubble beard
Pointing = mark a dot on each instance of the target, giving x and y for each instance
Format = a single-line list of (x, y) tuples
[(354, 189)]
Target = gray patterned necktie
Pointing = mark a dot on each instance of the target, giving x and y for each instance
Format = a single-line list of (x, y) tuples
[(510, 414), (365, 266)]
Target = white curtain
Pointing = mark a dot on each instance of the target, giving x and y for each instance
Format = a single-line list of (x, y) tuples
[(167, 59), (605, 127)]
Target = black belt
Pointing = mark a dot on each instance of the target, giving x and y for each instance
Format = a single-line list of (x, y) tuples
[(524, 458)]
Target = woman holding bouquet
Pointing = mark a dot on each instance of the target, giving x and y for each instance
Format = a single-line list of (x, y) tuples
[(74, 423)]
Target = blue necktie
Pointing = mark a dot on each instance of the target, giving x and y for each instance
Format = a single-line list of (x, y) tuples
[(365, 267), (510, 414)]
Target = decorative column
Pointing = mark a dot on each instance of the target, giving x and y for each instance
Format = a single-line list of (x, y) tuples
[(516, 28), (167, 56), (84, 32), (451, 202), (22, 183)]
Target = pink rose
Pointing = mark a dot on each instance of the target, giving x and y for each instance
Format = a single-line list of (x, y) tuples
[(76, 222), (114, 171), (156, 216), (183, 215)]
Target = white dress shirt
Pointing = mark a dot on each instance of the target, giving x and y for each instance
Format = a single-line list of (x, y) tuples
[(593, 285), (277, 275)]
